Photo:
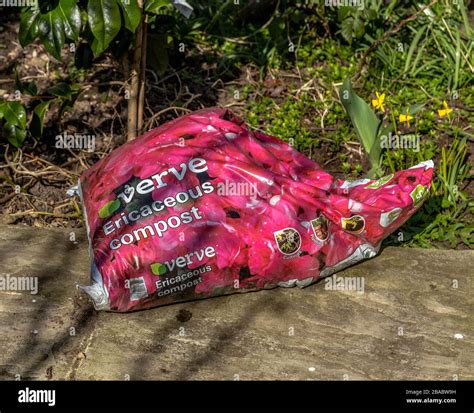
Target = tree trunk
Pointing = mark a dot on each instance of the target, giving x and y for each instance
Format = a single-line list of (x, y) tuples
[(137, 81), (141, 96)]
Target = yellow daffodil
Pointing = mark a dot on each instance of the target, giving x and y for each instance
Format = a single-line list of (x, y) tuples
[(446, 111), (405, 117), (378, 103)]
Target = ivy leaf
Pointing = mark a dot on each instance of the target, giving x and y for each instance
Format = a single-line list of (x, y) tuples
[(15, 114), (71, 17), (15, 135), (131, 14), (104, 21), (28, 26), (51, 33)]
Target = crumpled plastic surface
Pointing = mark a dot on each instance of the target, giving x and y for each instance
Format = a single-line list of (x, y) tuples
[(203, 206)]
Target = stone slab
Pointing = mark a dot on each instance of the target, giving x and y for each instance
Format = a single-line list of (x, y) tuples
[(413, 320)]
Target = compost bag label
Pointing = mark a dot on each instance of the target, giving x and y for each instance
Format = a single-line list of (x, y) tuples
[(146, 186), (203, 206)]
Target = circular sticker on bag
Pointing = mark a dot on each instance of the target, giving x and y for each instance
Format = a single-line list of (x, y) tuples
[(320, 228), (288, 240), (418, 194), (355, 224), (389, 217)]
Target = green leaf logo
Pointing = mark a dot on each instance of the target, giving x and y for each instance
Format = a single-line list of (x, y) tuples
[(380, 182), (157, 268), (109, 208), (418, 194)]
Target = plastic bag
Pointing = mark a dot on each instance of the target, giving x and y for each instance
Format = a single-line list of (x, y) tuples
[(202, 206)]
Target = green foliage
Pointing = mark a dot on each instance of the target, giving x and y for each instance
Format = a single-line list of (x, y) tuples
[(56, 21), (284, 121), (355, 22), (424, 61), (102, 24), (13, 115), (366, 124), (37, 123), (53, 26), (452, 171), (104, 21), (436, 46), (445, 218), (95, 26), (156, 6), (427, 61)]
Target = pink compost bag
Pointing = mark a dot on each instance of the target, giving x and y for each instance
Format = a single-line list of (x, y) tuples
[(203, 206)]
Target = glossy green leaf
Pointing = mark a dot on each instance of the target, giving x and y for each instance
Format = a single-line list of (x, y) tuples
[(51, 33), (70, 14), (104, 21), (131, 14), (15, 114), (15, 135), (154, 6), (52, 27), (28, 26), (37, 122), (45, 6)]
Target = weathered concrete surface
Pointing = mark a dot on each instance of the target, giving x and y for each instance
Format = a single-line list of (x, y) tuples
[(35, 335), (403, 326)]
